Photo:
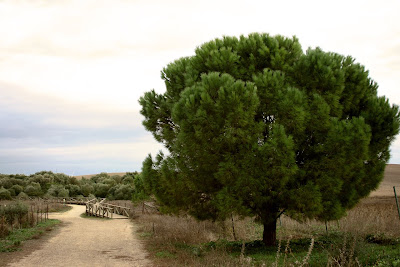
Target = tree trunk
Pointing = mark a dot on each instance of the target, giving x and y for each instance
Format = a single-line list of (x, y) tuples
[(269, 234)]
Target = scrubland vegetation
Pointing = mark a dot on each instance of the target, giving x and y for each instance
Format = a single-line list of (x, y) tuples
[(17, 236), (49, 184), (22, 220), (368, 236)]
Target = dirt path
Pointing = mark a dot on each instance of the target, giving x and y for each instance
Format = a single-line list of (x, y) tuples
[(88, 242)]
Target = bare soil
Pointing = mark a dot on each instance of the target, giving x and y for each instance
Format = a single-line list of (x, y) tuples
[(391, 178), (83, 242), (88, 176)]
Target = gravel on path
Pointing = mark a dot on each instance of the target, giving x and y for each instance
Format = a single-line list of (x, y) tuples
[(89, 242)]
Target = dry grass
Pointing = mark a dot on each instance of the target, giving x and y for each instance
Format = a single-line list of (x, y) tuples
[(177, 240), (374, 215), (185, 230), (181, 240), (391, 178)]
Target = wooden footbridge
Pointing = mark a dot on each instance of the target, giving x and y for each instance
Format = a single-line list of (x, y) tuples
[(98, 208), (68, 200), (94, 207)]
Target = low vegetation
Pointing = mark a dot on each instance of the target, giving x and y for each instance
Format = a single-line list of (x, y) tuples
[(14, 239), (23, 220), (368, 236), (49, 184), (25, 214)]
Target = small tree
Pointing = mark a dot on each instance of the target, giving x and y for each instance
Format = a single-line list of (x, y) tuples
[(33, 189), (256, 127), (123, 192), (74, 190), (17, 189), (139, 191), (129, 177), (87, 189), (22, 196), (101, 190), (58, 190), (4, 194)]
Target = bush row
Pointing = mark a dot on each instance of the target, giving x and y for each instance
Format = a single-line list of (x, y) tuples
[(47, 184)]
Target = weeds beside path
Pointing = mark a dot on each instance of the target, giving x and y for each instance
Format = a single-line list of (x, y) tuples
[(368, 236), (13, 241), (85, 242)]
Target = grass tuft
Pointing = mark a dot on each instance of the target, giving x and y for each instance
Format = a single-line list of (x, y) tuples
[(368, 236), (16, 237)]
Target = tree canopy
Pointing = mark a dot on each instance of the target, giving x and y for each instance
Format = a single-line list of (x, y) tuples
[(255, 126), (47, 184)]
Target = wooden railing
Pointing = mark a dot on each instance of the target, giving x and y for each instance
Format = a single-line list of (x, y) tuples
[(101, 209), (124, 211), (94, 206), (69, 200)]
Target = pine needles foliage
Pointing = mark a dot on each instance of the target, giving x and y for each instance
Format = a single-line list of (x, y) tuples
[(256, 127)]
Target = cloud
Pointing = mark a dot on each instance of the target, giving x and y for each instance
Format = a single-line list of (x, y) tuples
[(56, 110), (44, 132), (71, 72), (24, 114), (92, 29), (79, 159)]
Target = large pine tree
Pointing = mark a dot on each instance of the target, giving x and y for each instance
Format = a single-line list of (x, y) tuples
[(256, 127)]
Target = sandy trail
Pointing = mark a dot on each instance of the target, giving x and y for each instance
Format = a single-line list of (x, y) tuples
[(89, 242)]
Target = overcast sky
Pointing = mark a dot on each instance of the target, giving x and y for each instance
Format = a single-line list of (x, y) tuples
[(71, 72)]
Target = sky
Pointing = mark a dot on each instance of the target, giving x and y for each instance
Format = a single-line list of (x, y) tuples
[(71, 72)]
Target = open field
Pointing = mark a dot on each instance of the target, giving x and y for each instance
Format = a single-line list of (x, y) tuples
[(88, 176), (391, 178)]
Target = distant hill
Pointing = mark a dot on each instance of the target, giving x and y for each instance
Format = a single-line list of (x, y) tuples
[(391, 178), (88, 176)]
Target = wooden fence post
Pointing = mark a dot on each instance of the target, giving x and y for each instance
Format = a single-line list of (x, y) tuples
[(397, 201), (233, 228)]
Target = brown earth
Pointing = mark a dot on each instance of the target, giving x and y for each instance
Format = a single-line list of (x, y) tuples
[(85, 242), (88, 176), (391, 178)]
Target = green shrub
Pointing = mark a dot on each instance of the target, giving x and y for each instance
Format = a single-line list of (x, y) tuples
[(4, 194), (33, 189), (14, 212), (17, 189), (22, 196), (139, 193)]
